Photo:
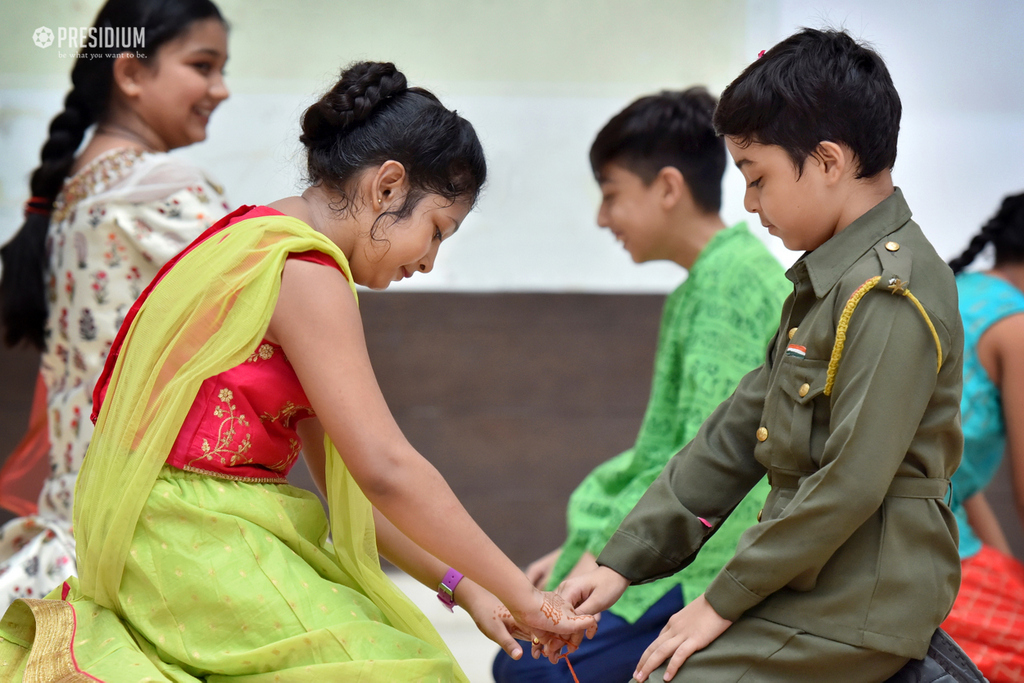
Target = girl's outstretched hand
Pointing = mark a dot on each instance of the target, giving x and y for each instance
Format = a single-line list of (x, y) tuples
[(491, 617), (690, 629), (555, 624)]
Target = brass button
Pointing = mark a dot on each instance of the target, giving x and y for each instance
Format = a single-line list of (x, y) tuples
[(762, 434), (792, 331), (804, 388), (759, 513), (892, 246)]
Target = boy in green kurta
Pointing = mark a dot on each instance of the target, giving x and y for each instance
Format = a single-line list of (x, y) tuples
[(854, 416), (659, 164)]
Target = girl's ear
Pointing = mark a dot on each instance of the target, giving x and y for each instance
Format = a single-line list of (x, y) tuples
[(389, 182), (834, 159), (128, 73)]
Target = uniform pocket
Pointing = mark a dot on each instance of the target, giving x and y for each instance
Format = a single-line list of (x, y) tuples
[(801, 418)]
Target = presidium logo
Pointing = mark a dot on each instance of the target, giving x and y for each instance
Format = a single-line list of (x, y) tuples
[(43, 37), (109, 37)]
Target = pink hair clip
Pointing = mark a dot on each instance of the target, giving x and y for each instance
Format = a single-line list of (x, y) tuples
[(761, 54)]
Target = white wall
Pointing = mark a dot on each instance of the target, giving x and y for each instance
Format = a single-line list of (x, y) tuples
[(538, 78), (959, 69)]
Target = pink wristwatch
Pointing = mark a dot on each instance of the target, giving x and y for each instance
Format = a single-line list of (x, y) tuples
[(446, 589)]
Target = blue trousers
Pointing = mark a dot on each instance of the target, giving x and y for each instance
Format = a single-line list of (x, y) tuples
[(611, 657)]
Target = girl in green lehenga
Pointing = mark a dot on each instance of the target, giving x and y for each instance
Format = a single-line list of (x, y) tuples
[(196, 561)]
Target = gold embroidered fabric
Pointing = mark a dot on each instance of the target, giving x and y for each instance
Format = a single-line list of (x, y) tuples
[(242, 425), (51, 658)]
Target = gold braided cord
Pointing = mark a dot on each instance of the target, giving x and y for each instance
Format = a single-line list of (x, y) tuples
[(935, 335), (844, 323)]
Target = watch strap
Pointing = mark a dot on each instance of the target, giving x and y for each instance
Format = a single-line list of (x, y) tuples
[(446, 589)]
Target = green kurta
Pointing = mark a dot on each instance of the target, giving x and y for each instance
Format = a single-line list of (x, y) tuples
[(856, 543), (714, 329)]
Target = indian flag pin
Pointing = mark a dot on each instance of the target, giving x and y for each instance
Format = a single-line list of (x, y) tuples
[(796, 351)]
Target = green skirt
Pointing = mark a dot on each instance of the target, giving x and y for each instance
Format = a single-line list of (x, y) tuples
[(225, 580)]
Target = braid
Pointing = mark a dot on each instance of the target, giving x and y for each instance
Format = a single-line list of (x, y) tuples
[(1009, 240), (352, 100), (22, 289), (23, 307), (67, 130), (977, 243), (1005, 231), (371, 116)]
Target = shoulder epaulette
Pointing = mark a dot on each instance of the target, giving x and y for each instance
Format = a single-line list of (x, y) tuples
[(896, 278)]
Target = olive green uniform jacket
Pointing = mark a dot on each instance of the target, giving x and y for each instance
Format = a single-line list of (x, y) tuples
[(856, 542)]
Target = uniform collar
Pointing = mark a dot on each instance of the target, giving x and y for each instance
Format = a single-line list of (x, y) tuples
[(826, 264)]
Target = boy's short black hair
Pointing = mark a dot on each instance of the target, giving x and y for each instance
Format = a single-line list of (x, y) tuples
[(816, 86), (671, 128)]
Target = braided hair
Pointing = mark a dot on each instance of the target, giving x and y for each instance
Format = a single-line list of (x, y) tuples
[(1005, 231), (23, 307), (371, 116)]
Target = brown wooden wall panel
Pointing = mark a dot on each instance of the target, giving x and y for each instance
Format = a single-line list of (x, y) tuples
[(513, 397)]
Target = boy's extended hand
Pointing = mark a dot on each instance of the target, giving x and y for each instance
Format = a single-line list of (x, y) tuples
[(588, 594), (690, 629), (594, 591)]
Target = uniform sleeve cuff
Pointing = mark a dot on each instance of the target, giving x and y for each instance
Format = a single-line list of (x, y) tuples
[(729, 597), (636, 559)]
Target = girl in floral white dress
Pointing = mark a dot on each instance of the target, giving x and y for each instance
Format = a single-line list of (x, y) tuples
[(98, 227)]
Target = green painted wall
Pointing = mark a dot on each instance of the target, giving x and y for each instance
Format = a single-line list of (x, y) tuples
[(521, 47)]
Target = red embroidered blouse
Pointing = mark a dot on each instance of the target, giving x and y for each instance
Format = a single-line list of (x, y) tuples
[(242, 424)]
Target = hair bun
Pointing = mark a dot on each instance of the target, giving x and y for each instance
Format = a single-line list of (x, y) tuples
[(363, 87)]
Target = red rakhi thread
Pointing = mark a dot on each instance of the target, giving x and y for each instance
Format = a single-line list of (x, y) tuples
[(565, 656)]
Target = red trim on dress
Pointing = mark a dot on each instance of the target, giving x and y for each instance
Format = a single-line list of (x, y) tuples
[(65, 589), (320, 257)]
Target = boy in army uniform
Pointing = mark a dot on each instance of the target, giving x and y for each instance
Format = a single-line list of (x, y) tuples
[(659, 164), (854, 415)]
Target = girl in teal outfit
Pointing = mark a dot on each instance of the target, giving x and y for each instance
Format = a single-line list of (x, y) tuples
[(988, 616)]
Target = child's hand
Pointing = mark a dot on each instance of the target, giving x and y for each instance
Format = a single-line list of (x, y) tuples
[(690, 629), (550, 645), (491, 617), (594, 591), (555, 624)]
